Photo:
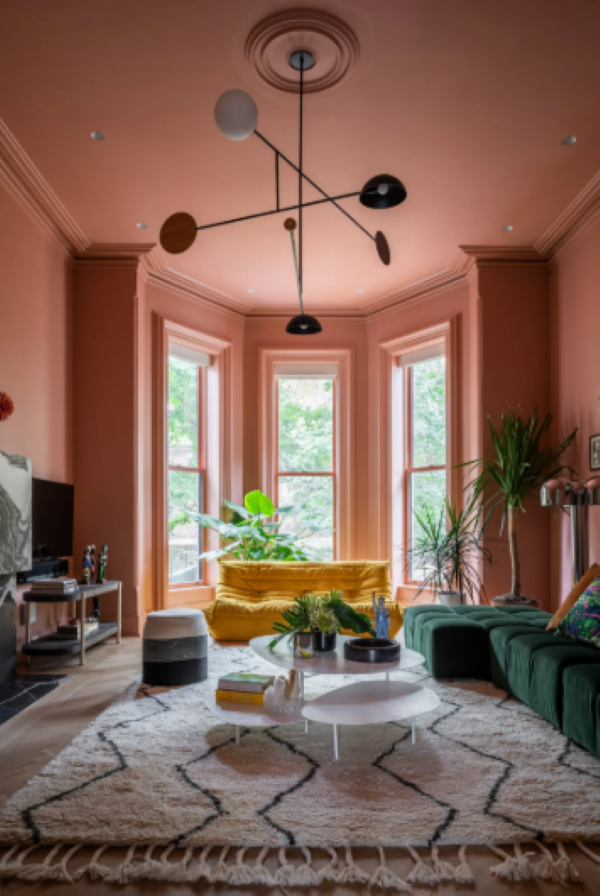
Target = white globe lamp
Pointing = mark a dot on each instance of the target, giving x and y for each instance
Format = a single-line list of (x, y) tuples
[(236, 115)]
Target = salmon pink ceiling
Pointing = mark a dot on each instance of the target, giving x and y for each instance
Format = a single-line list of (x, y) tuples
[(465, 101)]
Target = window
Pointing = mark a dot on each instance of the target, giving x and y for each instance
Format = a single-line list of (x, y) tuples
[(305, 452), (425, 437), (186, 463)]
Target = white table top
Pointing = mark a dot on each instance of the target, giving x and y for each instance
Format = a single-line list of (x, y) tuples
[(333, 663), (371, 703), (249, 715)]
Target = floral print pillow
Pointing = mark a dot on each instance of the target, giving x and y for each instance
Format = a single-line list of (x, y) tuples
[(583, 619)]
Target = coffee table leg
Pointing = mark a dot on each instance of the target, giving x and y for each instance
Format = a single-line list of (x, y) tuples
[(237, 734), (387, 676), (335, 742), (412, 723), (306, 726)]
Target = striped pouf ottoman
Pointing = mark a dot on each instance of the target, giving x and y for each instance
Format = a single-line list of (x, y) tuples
[(175, 648)]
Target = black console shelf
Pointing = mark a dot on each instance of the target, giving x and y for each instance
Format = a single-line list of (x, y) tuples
[(50, 645)]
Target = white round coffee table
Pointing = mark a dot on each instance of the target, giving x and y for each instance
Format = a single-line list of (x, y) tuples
[(371, 703), (247, 715), (332, 663)]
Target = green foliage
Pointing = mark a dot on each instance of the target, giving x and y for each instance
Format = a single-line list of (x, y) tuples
[(250, 536), (520, 465), (305, 413), (325, 614), (449, 549), (429, 413)]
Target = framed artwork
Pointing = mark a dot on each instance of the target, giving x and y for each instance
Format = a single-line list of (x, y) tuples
[(595, 452)]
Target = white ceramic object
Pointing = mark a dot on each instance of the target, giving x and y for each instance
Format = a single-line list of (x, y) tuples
[(450, 598), (371, 703), (236, 115)]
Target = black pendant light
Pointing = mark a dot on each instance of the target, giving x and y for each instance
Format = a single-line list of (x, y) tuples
[(304, 325), (383, 191)]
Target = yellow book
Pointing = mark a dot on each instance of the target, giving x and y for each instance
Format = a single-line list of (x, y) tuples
[(224, 696)]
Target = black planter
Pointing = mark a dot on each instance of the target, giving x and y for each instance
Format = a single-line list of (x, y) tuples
[(324, 643), (372, 650)]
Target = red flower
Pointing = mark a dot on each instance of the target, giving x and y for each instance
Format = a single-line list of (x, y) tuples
[(6, 406)]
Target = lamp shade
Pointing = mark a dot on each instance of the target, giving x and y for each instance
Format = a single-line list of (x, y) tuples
[(236, 115), (303, 325), (383, 191)]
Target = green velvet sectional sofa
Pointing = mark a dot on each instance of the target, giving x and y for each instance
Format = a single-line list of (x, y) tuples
[(556, 676)]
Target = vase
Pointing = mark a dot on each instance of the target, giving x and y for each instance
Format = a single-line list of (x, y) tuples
[(304, 644), (324, 643)]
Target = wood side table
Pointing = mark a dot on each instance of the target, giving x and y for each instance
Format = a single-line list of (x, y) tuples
[(50, 645)]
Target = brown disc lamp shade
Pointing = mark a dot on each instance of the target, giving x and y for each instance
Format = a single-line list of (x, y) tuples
[(236, 116)]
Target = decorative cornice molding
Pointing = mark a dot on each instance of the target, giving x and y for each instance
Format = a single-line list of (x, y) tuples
[(457, 274), (503, 254), (324, 315), (23, 180), (113, 255), (575, 216), (157, 272)]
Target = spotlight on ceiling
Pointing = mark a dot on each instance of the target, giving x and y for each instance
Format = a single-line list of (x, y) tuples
[(304, 325), (141, 226), (508, 228), (236, 115), (178, 233), (97, 135), (569, 141), (383, 191)]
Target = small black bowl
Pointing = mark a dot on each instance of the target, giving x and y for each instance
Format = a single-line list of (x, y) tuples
[(372, 650)]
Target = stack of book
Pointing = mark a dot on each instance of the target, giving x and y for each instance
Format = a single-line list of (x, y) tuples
[(70, 632), (241, 687), (54, 586)]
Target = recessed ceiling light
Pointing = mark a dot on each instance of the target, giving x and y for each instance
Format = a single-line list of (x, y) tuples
[(360, 291), (141, 226), (569, 141), (251, 290), (507, 228), (97, 135)]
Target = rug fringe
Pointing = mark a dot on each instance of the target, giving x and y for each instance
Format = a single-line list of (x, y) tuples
[(515, 866), (383, 876), (421, 873)]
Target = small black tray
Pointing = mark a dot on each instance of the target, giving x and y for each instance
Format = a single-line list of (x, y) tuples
[(372, 650)]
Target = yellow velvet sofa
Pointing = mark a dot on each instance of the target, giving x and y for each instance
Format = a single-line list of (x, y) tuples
[(252, 594)]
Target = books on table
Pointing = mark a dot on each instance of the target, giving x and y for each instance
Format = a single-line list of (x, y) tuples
[(54, 586), (71, 632), (243, 687)]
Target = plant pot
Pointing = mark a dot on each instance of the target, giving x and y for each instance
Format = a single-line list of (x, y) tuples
[(451, 598), (372, 650), (324, 643)]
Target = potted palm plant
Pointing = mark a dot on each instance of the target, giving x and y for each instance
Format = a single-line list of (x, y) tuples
[(516, 472), (449, 551)]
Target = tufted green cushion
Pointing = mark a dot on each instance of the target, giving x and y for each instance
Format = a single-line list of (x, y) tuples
[(547, 670), (500, 638), (411, 614), (581, 706), (520, 655), (455, 648)]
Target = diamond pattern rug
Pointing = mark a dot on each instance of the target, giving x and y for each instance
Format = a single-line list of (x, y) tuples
[(162, 771)]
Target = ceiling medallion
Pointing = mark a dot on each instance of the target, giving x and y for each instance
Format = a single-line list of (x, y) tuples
[(236, 116), (330, 41)]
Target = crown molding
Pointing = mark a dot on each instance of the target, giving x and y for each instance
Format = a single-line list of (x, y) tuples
[(157, 272), (113, 255), (585, 206), (486, 256), (333, 315), (23, 180)]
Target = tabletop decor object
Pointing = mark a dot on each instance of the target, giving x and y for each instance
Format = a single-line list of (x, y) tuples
[(324, 617), (372, 650)]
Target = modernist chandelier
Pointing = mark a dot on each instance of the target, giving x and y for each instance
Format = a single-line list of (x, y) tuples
[(236, 116)]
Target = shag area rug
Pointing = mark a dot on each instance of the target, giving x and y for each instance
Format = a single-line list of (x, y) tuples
[(163, 779)]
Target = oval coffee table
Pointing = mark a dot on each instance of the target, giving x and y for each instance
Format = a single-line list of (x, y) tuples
[(371, 703), (331, 663), (248, 715)]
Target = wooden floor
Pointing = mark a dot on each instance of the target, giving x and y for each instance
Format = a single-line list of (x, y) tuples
[(35, 736)]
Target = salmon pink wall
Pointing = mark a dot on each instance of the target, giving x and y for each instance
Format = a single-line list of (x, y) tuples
[(575, 303), (513, 328), (35, 355)]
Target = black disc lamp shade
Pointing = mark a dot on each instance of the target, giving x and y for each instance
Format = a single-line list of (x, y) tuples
[(303, 325), (383, 191)]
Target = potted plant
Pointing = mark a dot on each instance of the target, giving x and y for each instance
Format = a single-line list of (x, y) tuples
[(449, 549), (253, 534), (323, 617), (516, 472)]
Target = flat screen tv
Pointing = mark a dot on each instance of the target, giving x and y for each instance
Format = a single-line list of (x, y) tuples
[(52, 520)]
